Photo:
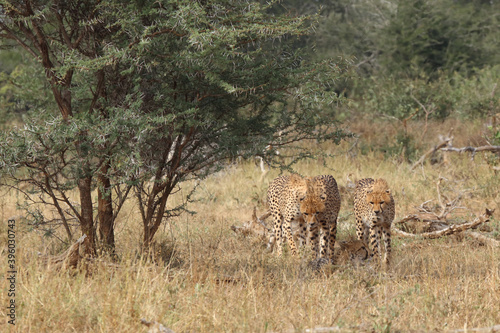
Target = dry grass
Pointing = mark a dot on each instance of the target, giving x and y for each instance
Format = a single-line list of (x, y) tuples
[(211, 280)]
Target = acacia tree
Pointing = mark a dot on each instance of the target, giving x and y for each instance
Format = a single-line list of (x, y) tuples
[(151, 94)]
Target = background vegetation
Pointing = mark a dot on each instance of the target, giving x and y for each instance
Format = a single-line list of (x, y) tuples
[(206, 278), (418, 70)]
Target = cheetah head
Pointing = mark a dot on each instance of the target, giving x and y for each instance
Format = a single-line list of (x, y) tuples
[(378, 201), (311, 206)]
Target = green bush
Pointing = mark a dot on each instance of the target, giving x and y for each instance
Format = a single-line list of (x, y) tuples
[(446, 35), (458, 95)]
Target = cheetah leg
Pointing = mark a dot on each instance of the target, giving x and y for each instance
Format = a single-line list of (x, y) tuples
[(325, 238), (375, 240), (288, 230), (387, 242), (313, 237), (333, 238), (308, 234), (362, 231), (275, 239), (366, 234), (272, 241), (359, 229), (304, 232)]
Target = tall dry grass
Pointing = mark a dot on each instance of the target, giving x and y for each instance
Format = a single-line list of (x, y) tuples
[(207, 279)]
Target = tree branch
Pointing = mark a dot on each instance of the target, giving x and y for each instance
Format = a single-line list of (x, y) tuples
[(444, 142), (473, 150), (452, 229)]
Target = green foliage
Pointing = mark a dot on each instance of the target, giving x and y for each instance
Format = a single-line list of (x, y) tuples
[(403, 147), (152, 94), (443, 53), (411, 37), (352, 28), (21, 86), (440, 35), (457, 95)]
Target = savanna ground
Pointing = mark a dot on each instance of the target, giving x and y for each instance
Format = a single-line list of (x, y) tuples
[(208, 279)]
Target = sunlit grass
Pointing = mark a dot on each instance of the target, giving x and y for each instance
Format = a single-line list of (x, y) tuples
[(207, 279)]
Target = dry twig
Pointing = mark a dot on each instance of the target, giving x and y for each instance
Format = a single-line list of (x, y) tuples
[(443, 142), (452, 229), (427, 113), (254, 227)]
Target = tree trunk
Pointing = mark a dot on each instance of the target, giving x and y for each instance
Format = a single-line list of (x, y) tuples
[(86, 216), (105, 210), (155, 214)]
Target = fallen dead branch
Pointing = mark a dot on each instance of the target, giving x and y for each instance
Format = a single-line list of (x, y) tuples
[(155, 327), (255, 227), (452, 229), (446, 145), (483, 239), (443, 142), (473, 150), (434, 223), (74, 257), (68, 259), (492, 329), (427, 219)]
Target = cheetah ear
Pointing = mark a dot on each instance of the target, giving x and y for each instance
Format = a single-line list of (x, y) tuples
[(323, 197)]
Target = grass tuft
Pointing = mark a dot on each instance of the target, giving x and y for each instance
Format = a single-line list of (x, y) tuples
[(202, 277)]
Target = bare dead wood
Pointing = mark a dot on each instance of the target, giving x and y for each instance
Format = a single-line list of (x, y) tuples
[(68, 259), (155, 327), (255, 227), (431, 109), (483, 239), (321, 330), (420, 218), (452, 229), (429, 220), (473, 150), (448, 207), (444, 142), (492, 329), (417, 225)]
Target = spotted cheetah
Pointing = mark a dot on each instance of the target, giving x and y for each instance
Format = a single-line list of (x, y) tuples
[(354, 251), (374, 210), (313, 203)]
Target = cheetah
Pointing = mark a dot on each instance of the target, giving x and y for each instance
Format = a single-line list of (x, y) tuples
[(354, 251), (313, 203), (374, 210)]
